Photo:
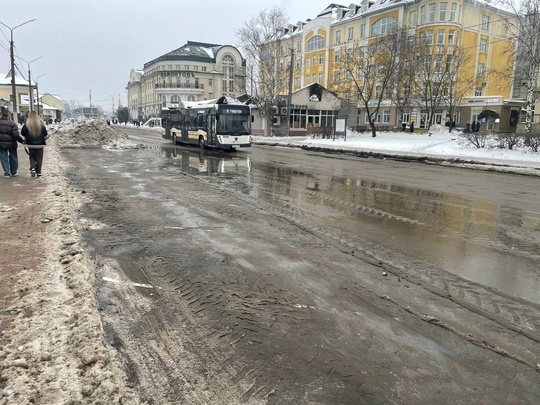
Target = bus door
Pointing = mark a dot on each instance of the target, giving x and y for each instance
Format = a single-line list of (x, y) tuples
[(186, 123), (212, 130)]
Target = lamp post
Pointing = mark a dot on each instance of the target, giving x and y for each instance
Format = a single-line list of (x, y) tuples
[(13, 86), (37, 93), (30, 96)]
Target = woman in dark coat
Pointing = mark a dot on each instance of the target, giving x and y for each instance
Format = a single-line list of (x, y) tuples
[(9, 136), (34, 133)]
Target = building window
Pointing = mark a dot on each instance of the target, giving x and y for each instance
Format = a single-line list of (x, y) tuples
[(451, 35), (338, 37), (453, 11), (299, 46), (386, 116), (336, 56), (351, 33), (438, 62), (361, 51), (336, 76), (422, 15), (442, 11), (203, 68), (321, 59), (186, 67), (313, 78), (412, 17), (362, 30), (431, 12), (227, 66), (316, 42), (297, 81), (440, 37), (320, 78), (196, 68), (308, 61), (478, 92), (481, 69), (314, 60), (429, 37), (383, 26), (406, 117), (483, 45), (485, 22)]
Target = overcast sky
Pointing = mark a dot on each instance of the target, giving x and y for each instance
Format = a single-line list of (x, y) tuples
[(93, 45)]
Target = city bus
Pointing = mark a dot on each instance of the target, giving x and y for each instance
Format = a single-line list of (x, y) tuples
[(222, 124)]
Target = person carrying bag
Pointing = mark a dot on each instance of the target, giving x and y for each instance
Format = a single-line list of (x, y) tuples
[(35, 134)]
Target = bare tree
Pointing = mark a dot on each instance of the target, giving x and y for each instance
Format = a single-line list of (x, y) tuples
[(429, 83), (68, 106), (368, 72), (525, 23), (261, 39), (456, 76)]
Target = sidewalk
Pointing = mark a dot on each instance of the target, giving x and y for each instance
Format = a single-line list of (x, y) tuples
[(22, 236)]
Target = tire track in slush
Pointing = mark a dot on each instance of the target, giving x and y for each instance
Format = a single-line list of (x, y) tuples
[(517, 315)]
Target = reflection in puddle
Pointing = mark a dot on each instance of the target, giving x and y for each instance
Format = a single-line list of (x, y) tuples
[(203, 162), (476, 238)]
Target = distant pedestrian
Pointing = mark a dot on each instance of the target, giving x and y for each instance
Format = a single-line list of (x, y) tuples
[(9, 136), (473, 126), (412, 126), (477, 127), (404, 127), (35, 134)]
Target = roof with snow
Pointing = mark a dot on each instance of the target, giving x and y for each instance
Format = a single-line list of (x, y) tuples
[(5, 79), (193, 51)]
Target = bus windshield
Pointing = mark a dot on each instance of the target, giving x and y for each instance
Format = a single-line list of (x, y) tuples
[(234, 123)]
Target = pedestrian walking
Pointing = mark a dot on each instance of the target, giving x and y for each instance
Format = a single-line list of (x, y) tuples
[(412, 126), (9, 136), (35, 134)]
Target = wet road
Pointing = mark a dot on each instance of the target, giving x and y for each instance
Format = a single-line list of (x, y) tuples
[(481, 226), (281, 276)]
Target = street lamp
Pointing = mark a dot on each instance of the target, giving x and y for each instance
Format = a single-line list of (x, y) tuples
[(30, 96), (13, 87), (37, 92)]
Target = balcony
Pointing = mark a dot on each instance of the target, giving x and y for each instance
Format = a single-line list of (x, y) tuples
[(187, 89)]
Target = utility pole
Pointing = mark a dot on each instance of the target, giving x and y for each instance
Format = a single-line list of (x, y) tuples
[(112, 98), (289, 97), (30, 95), (37, 93), (90, 93), (13, 85)]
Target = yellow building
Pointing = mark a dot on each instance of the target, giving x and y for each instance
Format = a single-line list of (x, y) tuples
[(6, 91), (476, 27)]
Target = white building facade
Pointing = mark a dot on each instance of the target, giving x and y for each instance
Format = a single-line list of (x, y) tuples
[(194, 72)]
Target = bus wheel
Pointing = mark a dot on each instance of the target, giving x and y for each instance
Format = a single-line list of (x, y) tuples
[(174, 139), (201, 142)]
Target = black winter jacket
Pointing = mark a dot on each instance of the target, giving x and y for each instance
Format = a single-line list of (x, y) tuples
[(9, 134), (34, 140)]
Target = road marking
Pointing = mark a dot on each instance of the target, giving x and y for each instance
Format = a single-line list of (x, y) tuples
[(112, 280)]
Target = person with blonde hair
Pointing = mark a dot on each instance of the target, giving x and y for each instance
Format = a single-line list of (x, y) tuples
[(35, 134)]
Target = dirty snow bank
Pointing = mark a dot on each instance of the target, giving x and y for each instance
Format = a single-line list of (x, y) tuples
[(57, 352), (80, 132)]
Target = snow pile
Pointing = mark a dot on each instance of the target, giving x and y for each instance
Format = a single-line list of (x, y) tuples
[(80, 132)]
